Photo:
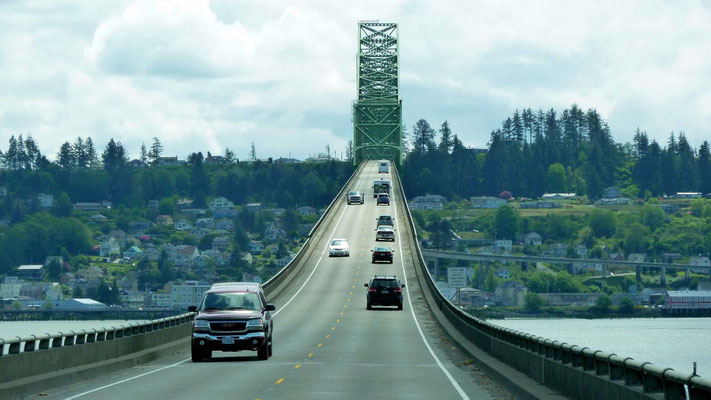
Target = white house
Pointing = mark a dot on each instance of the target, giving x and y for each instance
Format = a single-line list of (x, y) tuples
[(221, 243), (45, 200), (502, 245), (220, 203), (532, 239), (428, 202), (109, 248), (183, 225), (486, 202), (188, 294)]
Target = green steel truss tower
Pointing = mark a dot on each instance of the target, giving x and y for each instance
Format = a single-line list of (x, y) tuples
[(377, 113)]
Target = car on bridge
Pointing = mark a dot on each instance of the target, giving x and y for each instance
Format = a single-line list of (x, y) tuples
[(355, 197), (385, 220), (384, 290), (382, 253), (339, 247), (232, 316), (383, 198), (385, 232)]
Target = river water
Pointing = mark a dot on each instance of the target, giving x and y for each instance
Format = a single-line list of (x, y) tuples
[(669, 342)]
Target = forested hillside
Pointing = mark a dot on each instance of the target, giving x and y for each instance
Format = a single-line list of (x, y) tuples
[(537, 152)]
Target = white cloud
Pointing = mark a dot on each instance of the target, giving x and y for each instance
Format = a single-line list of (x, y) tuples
[(208, 75)]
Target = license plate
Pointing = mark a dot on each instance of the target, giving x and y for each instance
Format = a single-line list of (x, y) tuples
[(228, 340), (384, 292)]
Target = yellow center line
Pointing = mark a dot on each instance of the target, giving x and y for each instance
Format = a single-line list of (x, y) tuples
[(333, 328), (353, 286), (279, 381), (351, 292), (345, 306), (328, 336), (341, 313), (311, 354), (320, 344), (297, 366), (357, 273), (355, 280), (338, 321)]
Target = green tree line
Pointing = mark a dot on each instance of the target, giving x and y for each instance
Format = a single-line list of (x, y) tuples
[(538, 152)]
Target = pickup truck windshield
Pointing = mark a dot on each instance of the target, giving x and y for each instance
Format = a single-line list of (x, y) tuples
[(231, 301)]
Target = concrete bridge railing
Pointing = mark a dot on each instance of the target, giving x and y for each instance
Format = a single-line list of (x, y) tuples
[(574, 371), (39, 362)]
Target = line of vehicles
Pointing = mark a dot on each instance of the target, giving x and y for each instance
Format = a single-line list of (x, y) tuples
[(236, 316)]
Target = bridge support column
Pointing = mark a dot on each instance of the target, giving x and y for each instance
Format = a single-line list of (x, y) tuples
[(663, 276), (687, 274), (638, 273), (604, 270)]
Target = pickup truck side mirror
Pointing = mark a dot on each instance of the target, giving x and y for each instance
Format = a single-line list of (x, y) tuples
[(192, 308), (271, 307), (365, 284), (403, 286)]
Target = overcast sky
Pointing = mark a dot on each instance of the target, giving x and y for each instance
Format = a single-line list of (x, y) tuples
[(206, 75)]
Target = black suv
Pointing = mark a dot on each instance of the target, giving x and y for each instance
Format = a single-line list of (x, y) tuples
[(232, 316), (383, 198), (382, 253), (384, 290)]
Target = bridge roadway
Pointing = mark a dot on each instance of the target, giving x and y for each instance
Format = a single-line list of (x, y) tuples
[(326, 344)]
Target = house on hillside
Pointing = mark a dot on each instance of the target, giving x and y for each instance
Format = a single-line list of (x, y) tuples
[(428, 202), (306, 210), (205, 223), (581, 251), (225, 224), (637, 257), (169, 162), (532, 239), (503, 273), (220, 203), (133, 253), (511, 293), (221, 243), (231, 213), (183, 225), (558, 196), (109, 248), (612, 192), (45, 201), (183, 204), (164, 220), (284, 261), (486, 202), (90, 272), (140, 226), (255, 247), (273, 233), (32, 272), (254, 207), (138, 164)]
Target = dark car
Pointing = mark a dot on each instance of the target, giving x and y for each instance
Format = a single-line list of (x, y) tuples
[(382, 254), (385, 220), (383, 198), (232, 317), (384, 290)]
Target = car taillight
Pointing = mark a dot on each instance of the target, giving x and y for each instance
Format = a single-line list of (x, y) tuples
[(372, 289), (397, 290)]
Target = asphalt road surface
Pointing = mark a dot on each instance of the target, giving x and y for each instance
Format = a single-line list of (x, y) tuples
[(326, 344)]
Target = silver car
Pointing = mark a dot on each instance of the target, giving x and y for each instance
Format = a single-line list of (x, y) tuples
[(339, 247), (385, 232)]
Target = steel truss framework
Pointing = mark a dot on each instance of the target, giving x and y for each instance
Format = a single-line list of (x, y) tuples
[(377, 113)]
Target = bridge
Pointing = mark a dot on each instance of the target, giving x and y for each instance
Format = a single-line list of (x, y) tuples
[(326, 344), (435, 255)]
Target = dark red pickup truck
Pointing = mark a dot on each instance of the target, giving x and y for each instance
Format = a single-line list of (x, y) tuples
[(232, 316)]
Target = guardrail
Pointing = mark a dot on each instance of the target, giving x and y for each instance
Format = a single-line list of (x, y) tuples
[(48, 341), (272, 285), (576, 372)]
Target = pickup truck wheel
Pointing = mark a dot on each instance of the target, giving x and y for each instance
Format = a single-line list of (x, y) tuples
[(399, 306), (269, 351), (368, 306), (263, 352), (196, 354)]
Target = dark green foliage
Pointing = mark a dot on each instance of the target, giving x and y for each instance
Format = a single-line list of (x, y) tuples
[(506, 222), (533, 303), (602, 305), (626, 306)]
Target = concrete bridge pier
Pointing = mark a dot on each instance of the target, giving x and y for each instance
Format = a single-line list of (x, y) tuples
[(663, 276), (687, 274), (604, 270), (638, 273)]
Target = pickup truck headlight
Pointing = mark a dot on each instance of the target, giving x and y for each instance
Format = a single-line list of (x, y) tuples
[(255, 324), (201, 325)]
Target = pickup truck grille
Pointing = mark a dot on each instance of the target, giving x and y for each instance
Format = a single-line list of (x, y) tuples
[(228, 326)]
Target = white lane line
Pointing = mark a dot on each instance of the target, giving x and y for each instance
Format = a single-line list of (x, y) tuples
[(275, 313), (126, 380), (454, 383), (320, 257)]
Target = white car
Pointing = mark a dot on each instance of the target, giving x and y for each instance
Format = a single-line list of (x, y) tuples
[(339, 247)]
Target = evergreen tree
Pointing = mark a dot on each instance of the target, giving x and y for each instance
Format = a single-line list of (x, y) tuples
[(144, 153), (445, 144), (65, 157), (91, 154), (349, 151), (423, 137), (156, 151), (81, 160), (704, 167), (34, 156), (230, 156), (200, 185)]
